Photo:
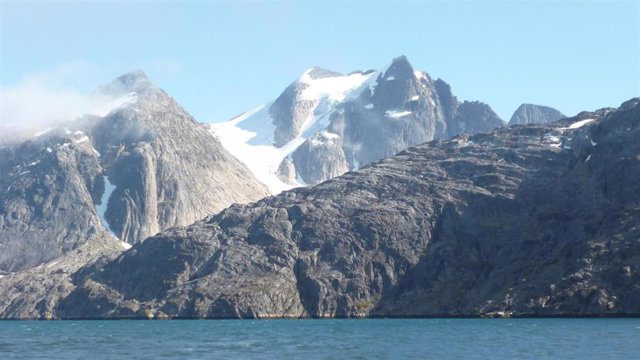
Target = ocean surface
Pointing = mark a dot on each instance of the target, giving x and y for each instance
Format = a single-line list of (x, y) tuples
[(323, 339)]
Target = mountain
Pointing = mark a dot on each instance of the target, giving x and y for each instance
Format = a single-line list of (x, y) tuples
[(145, 166), (533, 220), (325, 123), (536, 114)]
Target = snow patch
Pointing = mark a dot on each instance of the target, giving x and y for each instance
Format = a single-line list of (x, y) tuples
[(588, 158), (262, 159), (396, 114), (322, 138), (390, 78), (368, 106), (552, 140), (579, 124), (249, 137), (40, 133), (415, 98), (335, 89), (49, 149), (79, 137), (593, 143), (104, 201), (126, 245)]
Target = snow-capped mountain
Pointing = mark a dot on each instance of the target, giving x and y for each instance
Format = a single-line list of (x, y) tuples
[(325, 123), (144, 166)]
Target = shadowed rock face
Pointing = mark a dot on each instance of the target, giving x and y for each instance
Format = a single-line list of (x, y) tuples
[(531, 220), (166, 168), (535, 114)]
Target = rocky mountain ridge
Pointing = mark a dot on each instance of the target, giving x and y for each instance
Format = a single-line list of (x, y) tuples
[(325, 123), (530, 220), (145, 166)]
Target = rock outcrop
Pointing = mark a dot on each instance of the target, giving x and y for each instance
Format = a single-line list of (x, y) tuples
[(535, 220), (535, 114)]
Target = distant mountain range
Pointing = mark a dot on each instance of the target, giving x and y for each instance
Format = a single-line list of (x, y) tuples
[(530, 220), (413, 203)]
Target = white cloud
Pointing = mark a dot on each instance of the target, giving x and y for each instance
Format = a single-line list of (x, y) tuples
[(46, 99)]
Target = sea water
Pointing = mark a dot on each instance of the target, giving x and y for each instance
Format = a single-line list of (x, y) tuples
[(323, 339)]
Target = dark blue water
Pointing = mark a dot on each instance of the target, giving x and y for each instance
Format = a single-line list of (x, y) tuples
[(323, 339)]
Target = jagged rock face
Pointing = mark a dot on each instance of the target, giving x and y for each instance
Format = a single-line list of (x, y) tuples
[(166, 168), (536, 114), (474, 117), (375, 114), (532, 220), (291, 109), (287, 172), (320, 158), (289, 112), (47, 193), (401, 111)]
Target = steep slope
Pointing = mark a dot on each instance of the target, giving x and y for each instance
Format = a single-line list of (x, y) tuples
[(540, 219), (145, 166), (325, 123), (535, 114), (166, 168)]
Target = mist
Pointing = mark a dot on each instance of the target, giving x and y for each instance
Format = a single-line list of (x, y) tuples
[(48, 99)]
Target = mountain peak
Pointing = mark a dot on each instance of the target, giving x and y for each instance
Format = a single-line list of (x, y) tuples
[(318, 73), (532, 113), (134, 81), (399, 68)]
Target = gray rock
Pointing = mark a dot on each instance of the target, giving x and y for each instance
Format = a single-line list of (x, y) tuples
[(532, 220), (287, 172), (405, 108), (320, 158), (47, 198), (168, 170), (530, 113)]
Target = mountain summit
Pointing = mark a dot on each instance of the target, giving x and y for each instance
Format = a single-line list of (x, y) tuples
[(537, 114), (325, 124)]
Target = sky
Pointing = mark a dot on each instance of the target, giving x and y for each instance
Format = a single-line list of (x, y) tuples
[(219, 59)]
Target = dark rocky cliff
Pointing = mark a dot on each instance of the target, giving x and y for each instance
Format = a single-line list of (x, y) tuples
[(529, 220)]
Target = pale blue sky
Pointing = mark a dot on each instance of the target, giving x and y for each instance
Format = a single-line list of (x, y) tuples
[(219, 59)]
